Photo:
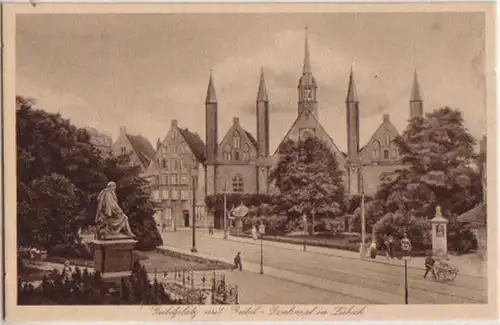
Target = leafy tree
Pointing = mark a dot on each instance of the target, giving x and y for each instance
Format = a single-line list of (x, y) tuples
[(438, 152), (309, 180), (60, 174)]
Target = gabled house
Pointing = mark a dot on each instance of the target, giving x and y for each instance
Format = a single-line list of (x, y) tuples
[(138, 147)]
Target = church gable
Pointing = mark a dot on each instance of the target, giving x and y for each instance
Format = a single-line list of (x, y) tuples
[(381, 148), (238, 146), (306, 125)]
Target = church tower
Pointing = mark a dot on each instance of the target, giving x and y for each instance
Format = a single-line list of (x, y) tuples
[(416, 102), (262, 132), (262, 118), (211, 137), (352, 106), (307, 85)]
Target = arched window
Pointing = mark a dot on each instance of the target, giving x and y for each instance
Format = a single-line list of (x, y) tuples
[(236, 140), (227, 155), (387, 140), (376, 150), (238, 184), (246, 153), (395, 153)]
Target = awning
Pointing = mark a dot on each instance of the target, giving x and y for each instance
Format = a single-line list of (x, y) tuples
[(476, 215)]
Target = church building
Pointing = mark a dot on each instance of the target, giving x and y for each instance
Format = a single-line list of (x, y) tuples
[(241, 163)]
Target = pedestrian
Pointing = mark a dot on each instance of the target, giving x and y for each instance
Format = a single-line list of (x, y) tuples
[(373, 249), (429, 265), (237, 262), (390, 248), (254, 232), (210, 229), (67, 271)]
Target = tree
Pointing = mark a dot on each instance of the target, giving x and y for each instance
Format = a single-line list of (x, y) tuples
[(439, 158), (60, 174), (309, 180), (439, 154)]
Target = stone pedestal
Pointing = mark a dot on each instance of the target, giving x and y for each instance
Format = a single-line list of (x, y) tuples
[(439, 236), (113, 258)]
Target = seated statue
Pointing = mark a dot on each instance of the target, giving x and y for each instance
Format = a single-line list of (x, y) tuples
[(110, 219)]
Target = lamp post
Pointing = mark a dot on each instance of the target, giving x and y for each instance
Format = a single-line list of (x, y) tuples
[(262, 231), (225, 210), (363, 219), (406, 247), (193, 249), (304, 224)]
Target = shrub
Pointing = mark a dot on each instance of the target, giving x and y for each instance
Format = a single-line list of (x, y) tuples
[(80, 251)]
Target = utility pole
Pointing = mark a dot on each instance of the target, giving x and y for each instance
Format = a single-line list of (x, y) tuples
[(225, 210), (193, 249), (363, 220)]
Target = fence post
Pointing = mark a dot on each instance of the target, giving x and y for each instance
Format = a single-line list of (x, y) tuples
[(237, 297), (213, 289)]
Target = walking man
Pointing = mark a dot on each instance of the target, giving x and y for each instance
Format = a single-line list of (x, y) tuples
[(429, 265), (237, 262)]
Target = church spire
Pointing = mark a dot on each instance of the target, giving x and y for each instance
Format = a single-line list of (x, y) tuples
[(416, 101), (415, 90), (211, 97), (307, 61), (262, 94), (352, 94)]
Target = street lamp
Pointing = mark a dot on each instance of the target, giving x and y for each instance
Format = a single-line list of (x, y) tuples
[(262, 231), (225, 210), (406, 247), (304, 224), (193, 249)]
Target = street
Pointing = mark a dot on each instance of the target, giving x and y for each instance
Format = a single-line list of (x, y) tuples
[(325, 278)]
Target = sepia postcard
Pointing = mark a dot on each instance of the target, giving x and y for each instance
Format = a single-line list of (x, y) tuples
[(249, 162)]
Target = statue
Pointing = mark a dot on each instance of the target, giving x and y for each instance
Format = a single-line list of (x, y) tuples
[(110, 219)]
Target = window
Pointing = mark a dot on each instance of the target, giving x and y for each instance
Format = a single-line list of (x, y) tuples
[(376, 150), (164, 163), (246, 153), (173, 149), (387, 140), (184, 195), (183, 164), (227, 155), (165, 194), (156, 195), (395, 153), (386, 153), (174, 134), (237, 184), (173, 164), (236, 140), (166, 179), (195, 163), (236, 155), (174, 179), (123, 150), (175, 195), (157, 180), (184, 179)]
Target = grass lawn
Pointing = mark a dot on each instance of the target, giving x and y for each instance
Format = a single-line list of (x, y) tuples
[(162, 262)]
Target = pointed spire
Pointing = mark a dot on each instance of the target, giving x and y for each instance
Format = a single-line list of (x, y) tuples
[(352, 94), (262, 94), (415, 95), (307, 61), (211, 97)]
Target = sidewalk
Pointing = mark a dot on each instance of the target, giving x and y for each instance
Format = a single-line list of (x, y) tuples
[(469, 265)]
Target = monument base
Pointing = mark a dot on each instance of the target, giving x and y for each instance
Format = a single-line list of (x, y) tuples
[(113, 258)]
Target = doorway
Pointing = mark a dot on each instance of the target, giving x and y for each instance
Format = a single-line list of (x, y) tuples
[(185, 213)]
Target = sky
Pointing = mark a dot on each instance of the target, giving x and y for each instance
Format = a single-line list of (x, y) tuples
[(143, 70)]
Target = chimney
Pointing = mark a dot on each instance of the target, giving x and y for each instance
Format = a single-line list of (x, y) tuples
[(174, 123), (236, 120), (386, 117), (123, 130)]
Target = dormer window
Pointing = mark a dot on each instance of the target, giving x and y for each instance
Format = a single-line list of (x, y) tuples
[(123, 150), (236, 140)]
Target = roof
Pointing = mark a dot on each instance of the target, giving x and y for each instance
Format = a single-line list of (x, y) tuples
[(195, 143), (251, 138), (142, 147), (475, 215)]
